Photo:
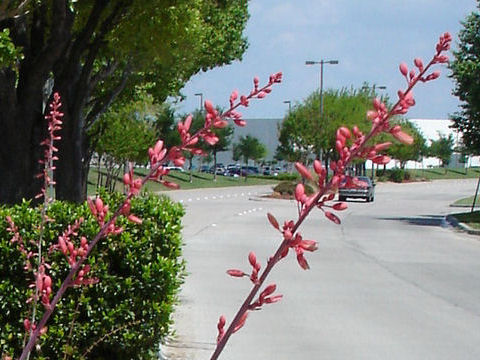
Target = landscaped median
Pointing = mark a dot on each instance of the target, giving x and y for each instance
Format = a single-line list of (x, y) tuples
[(468, 221)]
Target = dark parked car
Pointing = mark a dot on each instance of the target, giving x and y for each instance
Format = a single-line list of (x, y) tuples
[(357, 187)]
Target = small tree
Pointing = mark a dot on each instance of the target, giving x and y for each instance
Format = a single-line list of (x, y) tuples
[(249, 147), (125, 137), (442, 149)]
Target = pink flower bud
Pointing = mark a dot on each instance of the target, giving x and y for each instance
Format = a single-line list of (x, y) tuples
[(403, 69), (303, 171), (234, 96), (261, 94), (209, 107), (317, 166), (309, 245), (252, 258), (345, 132), (299, 192), (99, 204), (382, 146), (26, 324), (403, 137), (241, 322), (134, 219), (340, 206), (287, 235), (332, 217), (273, 221), (240, 122), (236, 273), (418, 63), (372, 114), (381, 159), (302, 261), (47, 282), (270, 289)]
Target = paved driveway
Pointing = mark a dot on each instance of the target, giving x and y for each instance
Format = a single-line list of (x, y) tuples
[(393, 281)]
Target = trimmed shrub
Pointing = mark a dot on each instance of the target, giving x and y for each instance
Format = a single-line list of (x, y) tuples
[(396, 175), (288, 188), (126, 314)]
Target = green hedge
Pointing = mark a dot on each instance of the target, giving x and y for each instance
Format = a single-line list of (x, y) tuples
[(288, 188), (396, 175), (125, 315)]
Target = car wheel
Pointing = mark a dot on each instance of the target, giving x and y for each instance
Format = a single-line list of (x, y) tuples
[(367, 199), (372, 198)]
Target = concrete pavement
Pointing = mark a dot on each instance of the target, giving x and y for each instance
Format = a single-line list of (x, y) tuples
[(393, 281)]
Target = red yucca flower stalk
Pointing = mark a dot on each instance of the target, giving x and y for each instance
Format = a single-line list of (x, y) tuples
[(350, 144), (158, 155)]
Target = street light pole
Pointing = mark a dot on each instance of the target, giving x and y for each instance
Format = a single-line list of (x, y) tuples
[(289, 105), (201, 100), (321, 62)]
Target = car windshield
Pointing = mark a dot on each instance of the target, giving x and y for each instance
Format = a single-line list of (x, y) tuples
[(364, 179)]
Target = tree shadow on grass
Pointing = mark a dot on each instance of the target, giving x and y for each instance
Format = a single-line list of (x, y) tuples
[(457, 171), (436, 172), (421, 220)]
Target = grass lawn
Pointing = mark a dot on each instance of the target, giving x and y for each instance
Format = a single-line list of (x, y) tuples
[(467, 201), (439, 173), (472, 219), (199, 180)]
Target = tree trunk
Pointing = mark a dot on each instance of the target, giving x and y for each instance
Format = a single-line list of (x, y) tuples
[(214, 164), (70, 173)]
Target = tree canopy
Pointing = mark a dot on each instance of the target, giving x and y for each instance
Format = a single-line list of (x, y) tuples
[(466, 73), (95, 52), (304, 133), (249, 148), (442, 148)]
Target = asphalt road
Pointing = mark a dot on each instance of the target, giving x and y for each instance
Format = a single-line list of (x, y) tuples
[(393, 281)]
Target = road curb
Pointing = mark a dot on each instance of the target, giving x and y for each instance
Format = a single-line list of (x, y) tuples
[(452, 220)]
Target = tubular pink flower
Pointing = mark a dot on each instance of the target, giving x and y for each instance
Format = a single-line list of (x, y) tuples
[(402, 136), (299, 192), (332, 217), (209, 107), (236, 273), (340, 206), (273, 221), (303, 171)]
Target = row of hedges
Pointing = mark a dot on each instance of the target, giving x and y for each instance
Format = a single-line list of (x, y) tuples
[(125, 315), (396, 175)]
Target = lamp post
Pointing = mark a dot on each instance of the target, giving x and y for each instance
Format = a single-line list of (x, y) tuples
[(289, 105), (201, 100), (321, 62)]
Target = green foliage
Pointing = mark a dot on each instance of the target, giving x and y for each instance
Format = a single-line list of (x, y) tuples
[(127, 313), (9, 54), (396, 175), (249, 148), (288, 188), (126, 133), (442, 148), (466, 72), (164, 125)]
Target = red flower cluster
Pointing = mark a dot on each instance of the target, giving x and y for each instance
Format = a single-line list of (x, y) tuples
[(54, 124)]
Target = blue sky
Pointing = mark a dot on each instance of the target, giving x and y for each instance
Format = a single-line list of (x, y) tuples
[(368, 38)]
